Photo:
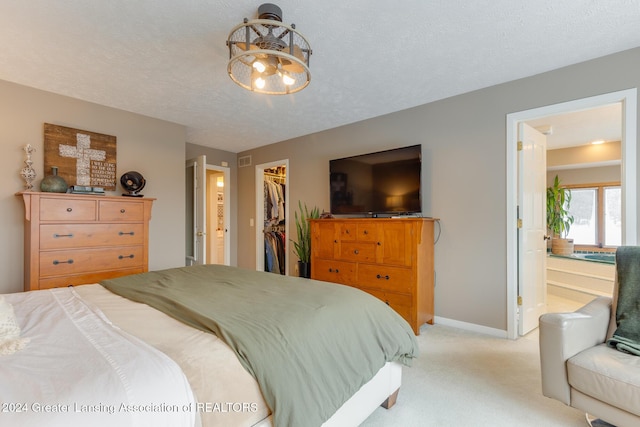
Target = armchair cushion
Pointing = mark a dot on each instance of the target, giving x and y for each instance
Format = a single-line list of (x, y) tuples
[(608, 375)]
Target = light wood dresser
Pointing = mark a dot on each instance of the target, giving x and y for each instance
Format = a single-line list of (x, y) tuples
[(72, 239), (390, 258)]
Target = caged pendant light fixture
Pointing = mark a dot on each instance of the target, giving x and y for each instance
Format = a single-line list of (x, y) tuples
[(267, 56)]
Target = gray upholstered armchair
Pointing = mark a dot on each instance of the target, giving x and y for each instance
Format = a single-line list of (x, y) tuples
[(580, 370)]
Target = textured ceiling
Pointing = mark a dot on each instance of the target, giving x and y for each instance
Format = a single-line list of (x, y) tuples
[(167, 58)]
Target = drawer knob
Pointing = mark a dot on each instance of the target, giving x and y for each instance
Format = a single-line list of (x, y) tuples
[(356, 252), (122, 233), (125, 256), (331, 270), (378, 276), (122, 211), (366, 232), (56, 262), (379, 244), (69, 209), (56, 235)]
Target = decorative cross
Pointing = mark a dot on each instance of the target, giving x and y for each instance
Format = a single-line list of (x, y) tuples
[(84, 154)]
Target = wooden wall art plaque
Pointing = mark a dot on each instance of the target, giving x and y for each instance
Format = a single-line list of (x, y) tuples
[(82, 157)]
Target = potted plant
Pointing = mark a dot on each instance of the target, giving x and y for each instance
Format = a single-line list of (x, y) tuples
[(558, 219), (302, 246)]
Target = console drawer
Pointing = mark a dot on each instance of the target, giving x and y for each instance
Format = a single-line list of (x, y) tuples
[(334, 271), (400, 303), (120, 211), (55, 263), (60, 209), (85, 279), (61, 236), (384, 277), (359, 252)]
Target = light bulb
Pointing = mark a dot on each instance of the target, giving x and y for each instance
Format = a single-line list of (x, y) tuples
[(286, 79), (260, 82), (259, 66)]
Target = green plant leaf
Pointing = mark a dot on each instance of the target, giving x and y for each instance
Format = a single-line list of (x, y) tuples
[(302, 246)]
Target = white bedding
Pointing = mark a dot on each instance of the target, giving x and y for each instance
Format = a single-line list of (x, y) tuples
[(80, 370), (225, 393)]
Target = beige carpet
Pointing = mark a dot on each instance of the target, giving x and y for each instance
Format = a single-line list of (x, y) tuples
[(467, 379)]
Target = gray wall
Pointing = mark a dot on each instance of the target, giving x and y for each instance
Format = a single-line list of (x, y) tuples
[(153, 147), (216, 157), (464, 158), (464, 171)]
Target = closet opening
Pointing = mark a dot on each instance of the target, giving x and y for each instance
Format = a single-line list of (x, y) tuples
[(271, 218)]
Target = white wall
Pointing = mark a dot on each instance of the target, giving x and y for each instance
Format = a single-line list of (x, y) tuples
[(152, 147)]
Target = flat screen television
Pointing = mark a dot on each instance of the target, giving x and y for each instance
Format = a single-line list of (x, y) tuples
[(381, 183)]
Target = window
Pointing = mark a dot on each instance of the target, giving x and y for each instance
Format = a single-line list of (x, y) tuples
[(584, 230), (612, 216), (597, 215)]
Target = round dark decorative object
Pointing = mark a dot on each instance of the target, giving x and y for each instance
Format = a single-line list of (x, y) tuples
[(53, 183), (133, 182)]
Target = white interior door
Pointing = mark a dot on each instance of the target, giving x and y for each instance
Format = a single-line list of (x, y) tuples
[(197, 235), (532, 246)]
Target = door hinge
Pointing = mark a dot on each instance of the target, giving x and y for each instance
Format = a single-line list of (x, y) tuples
[(519, 223), (519, 300), (519, 145)]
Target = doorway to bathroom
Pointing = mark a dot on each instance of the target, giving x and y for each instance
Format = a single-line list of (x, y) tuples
[(526, 275)]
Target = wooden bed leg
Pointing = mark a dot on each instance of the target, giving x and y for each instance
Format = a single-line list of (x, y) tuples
[(391, 400)]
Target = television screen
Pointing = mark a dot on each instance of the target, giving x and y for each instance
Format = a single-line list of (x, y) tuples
[(386, 182)]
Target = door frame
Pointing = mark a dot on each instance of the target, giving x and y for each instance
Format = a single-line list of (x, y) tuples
[(628, 98), (259, 225)]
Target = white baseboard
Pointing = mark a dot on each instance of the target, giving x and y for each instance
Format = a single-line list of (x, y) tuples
[(472, 327)]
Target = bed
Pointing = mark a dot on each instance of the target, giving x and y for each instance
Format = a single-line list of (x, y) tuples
[(249, 349)]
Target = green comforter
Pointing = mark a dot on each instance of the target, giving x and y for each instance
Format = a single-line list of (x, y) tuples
[(309, 344), (626, 338)]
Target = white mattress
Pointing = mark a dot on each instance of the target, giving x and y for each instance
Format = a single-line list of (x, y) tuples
[(228, 394)]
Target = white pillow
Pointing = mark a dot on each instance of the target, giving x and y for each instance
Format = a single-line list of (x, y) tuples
[(10, 340)]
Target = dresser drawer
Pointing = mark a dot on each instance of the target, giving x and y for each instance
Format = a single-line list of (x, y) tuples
[(363, 231), (347, 231), (334, 271), (401, 304), (110, 210), (367, 231), (86, 279), (384, 277), (359, 252), (55, 263), (60, 209), (61, 236)]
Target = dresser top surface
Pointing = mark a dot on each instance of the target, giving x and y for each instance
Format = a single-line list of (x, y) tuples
[(405, 218), (81, 196)]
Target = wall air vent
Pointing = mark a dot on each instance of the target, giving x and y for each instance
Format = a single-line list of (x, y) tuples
[(244, 161)]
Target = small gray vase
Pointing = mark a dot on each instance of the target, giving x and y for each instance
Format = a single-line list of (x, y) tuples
[(53, 183)]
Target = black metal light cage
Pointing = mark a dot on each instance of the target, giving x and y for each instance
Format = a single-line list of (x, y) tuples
[(267, 56)]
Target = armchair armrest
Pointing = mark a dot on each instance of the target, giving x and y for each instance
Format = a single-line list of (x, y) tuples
[(562, 336)]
